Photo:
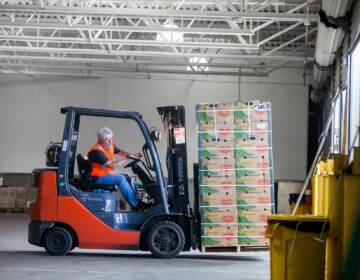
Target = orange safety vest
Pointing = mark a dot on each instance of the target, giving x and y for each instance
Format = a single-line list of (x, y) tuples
[(97, 169)]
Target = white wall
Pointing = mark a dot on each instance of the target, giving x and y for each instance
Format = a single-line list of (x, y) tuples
[(30, 112)]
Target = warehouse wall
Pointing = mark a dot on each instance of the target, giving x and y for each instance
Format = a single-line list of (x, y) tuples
[(30, 119)]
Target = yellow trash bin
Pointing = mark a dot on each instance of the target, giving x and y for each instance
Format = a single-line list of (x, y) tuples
[(295, 251)]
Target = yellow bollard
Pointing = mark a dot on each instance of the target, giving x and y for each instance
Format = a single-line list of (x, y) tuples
[(315, 195), (339, 163), (334, 243), (351, 208), (356, 162)]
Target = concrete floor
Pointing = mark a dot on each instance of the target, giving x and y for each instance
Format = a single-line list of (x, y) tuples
[(20, 260)]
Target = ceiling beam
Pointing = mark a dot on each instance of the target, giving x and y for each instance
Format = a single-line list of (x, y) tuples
[(158, 13), (126, 28), (149, 53), (109, 61), (77, 40), (110, 74)]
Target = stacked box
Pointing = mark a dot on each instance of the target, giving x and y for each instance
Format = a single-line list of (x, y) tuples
[(219, 215), (218, 196), (253, 214), (215, 235), (217, 178), (12, 197), (236, 172), (250, 235), (252, 139)]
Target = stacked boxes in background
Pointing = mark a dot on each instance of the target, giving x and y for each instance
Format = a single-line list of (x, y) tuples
[(235, 173), (12, 198)]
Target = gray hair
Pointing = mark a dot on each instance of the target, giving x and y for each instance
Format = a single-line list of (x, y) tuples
[(104, 133)]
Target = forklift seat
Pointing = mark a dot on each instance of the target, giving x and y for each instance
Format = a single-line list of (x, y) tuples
[(87, 182)]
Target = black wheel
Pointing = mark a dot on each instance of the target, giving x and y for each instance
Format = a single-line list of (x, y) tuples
[(166, 240), (58, 241)]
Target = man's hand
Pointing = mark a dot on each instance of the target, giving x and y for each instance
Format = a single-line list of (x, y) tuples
[(136, 155)]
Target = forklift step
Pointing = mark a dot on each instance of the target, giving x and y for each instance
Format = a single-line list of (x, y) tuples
[(234, 249)]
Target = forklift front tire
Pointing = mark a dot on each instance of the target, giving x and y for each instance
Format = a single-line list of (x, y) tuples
[(166, 240), (58, 241)]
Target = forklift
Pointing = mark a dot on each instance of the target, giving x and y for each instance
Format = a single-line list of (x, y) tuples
[(71, 212)]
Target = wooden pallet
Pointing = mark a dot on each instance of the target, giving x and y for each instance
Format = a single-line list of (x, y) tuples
[(13, 210), (234, 249)]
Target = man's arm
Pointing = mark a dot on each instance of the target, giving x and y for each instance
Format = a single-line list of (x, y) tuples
[(124, 154), (100, 158), (121, 153)]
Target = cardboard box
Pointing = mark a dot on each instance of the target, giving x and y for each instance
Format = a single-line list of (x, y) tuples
[(218, 163), (253, 230), (251, 115), (216, 230), (254, 181), (228, 178), (244, 139), (7, 202), (219, 242), (216, 140), (216, 127), (258, 115), (260, 152), (255, 104), (215, 106), (252, 235), (219, 235), (216, 116), (215, 196), (219, 215), (225, 153), (12, 197), (219, 177), (252, 189), (256, 172), (251, 163), (255, 214), (205, 116), (218, 181), (224, 117), (244, 125), (248, 173), (251, 198), (253, 241)]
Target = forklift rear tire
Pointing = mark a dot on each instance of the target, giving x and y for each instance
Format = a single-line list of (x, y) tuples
[(166, 240), (58, 241)]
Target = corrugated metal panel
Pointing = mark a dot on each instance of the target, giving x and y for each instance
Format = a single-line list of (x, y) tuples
[(355, 26)]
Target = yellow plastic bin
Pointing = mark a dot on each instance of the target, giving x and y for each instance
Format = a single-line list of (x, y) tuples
[(295, 251)]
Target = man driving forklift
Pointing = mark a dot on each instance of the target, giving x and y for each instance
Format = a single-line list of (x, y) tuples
[(69, 212), (104, 162)]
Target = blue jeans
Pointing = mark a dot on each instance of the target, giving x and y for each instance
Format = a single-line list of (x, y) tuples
[(120, 181)]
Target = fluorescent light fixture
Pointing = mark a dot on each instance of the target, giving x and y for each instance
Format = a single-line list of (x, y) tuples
[(198, 59), (170, 36)]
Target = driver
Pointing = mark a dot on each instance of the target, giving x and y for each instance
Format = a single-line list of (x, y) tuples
[(102, 157)]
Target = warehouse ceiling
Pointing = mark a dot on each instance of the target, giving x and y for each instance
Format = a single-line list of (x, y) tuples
[(105, 38)]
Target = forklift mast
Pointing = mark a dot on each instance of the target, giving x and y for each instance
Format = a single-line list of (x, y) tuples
[(173, 118)]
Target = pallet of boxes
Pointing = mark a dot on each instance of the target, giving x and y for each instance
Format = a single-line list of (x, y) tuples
[(235, 175), (12, 199)]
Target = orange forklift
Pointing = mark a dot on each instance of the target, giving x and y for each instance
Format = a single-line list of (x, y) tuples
[(73, 211)]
